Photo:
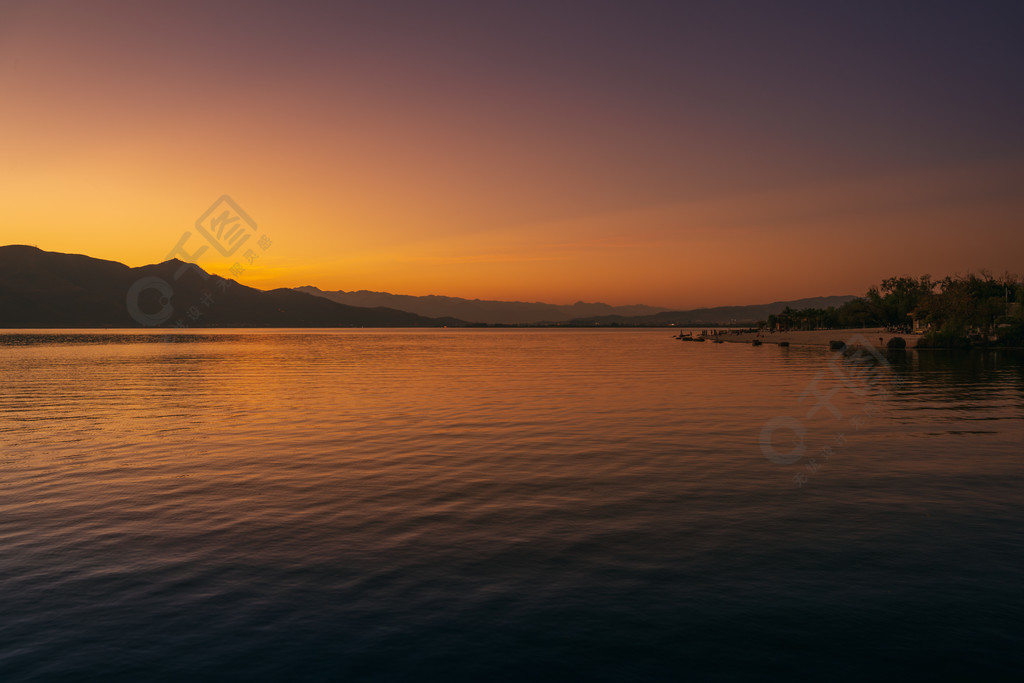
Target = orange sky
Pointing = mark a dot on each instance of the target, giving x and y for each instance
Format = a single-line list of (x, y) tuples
[(562, 161)]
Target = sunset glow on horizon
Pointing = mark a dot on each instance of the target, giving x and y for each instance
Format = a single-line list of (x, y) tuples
[(679, 157)]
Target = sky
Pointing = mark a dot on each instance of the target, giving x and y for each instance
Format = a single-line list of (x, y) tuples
[(677, 154)]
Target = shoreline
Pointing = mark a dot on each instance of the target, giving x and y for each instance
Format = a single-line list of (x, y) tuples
[(877, 337)]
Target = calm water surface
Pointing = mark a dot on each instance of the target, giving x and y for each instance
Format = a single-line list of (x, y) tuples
[(505, 505)]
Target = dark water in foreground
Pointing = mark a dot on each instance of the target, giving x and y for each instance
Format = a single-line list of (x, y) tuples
[(505, 505)]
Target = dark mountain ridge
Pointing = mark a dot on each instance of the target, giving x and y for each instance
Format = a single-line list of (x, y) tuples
[(41, 289), (481, 310)]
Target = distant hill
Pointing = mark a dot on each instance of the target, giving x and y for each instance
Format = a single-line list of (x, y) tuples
[(47, 289), (719, 315), (481, 311)]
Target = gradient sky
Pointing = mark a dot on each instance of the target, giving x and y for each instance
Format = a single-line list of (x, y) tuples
[(677, 154)]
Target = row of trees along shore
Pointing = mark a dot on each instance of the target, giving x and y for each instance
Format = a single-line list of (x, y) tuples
[(955, 312)]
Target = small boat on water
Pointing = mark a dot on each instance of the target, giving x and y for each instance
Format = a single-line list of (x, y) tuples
[(755, 342)]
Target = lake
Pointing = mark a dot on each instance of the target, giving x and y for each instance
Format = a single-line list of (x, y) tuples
[(522, 504)]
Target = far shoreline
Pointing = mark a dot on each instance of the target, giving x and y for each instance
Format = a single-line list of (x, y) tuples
[(853, 336)]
